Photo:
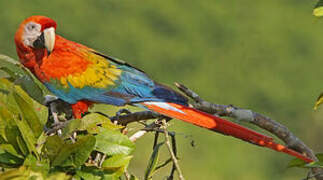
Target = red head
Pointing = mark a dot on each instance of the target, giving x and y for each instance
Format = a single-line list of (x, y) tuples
[(35, 38)]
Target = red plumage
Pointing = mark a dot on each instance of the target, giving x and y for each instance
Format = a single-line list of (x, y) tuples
[(69, 59), (223, 126)]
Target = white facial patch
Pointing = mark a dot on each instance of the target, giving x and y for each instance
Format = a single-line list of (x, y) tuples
[(31, 33)]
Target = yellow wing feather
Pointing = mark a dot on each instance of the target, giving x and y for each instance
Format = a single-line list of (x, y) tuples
[(99, 74)]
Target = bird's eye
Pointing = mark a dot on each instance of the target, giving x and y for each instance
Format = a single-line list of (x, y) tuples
[(32, 27)]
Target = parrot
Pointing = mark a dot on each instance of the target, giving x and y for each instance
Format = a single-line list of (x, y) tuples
[(81, 77)]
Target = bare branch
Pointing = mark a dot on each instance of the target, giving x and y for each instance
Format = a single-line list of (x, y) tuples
[(262, 121), (170, 149), (134, 117)]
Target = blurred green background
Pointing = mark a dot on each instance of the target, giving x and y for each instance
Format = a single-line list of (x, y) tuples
[(262, 55)]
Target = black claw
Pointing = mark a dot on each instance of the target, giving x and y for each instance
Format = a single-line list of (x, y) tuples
[(123, 111), (54, 127)]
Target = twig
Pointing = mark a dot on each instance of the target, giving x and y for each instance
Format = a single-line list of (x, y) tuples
[(156, 139), (134, 117), (163, 164), (264, 122), (102, 160), (97, 159), (150, 127), (237, 113), (142, 132), (174, 148), (310, 176), (127, 175), (137, 135), (56, 128), (164, 127)]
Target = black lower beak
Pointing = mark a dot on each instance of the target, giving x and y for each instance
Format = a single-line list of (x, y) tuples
[(39, 42)]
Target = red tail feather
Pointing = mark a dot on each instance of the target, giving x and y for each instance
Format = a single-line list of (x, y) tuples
[(220, 125)]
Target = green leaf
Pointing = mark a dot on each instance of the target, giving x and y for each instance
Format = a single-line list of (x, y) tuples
[(53, 146), (10, 149), (3, 74), (72, 126), (75, 154), (28, 84), (153, 162), (14, 138), (112, 142), (89, 123), (41, 142), (296, 163), (11, 67), (20, 124), (83, 148), (133, 177), (319, 101), (318, 9), (22, 145), (117, 163), (59, 176), (92, 120), (8, 159), (94, 173), (17, 173), (41, 166), (27, 136), (318, 163), (314, 165), (89, 173), (6, 100), (21, 76), (27, 112), (9, 111), (319, 156), (5, 121), (302, 164), (4, 116), (21, 173)]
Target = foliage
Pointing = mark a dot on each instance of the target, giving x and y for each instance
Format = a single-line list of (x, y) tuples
[(301, 164), (319, 101), (153, 162), (262, 55), (318, 9), (27, 153)]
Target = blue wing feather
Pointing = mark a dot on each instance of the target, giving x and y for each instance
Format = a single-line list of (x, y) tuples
[(133, 86)]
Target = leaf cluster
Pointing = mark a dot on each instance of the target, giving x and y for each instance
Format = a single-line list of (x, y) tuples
[(26, 152)]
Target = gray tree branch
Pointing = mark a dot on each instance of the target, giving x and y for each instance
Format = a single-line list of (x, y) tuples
[(262, 121)]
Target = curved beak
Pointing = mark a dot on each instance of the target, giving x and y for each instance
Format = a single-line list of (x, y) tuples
[(49, 39)]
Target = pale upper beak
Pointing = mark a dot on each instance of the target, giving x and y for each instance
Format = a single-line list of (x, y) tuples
[(49, 39)]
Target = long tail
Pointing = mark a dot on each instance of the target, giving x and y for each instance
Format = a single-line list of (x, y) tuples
[(220, 125)]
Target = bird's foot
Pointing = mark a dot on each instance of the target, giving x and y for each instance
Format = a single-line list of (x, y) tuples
[(119, 113), (123, 111), (55, 128), (56, 115)]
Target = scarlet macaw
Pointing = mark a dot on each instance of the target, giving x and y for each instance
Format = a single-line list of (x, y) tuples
[(82, 76)]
